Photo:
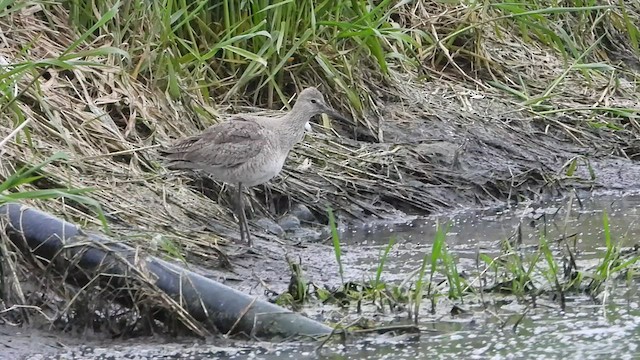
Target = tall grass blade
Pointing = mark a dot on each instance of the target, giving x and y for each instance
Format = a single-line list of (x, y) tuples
[(25, 176), (383, 260), (335, 237)]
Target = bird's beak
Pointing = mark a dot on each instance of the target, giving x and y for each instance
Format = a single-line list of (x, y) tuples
[(334, 114)]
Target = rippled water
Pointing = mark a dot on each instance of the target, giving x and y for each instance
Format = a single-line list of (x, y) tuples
[(585, 330), (580, 220)]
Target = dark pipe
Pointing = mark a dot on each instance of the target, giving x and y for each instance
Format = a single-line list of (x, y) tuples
[(81, 256)]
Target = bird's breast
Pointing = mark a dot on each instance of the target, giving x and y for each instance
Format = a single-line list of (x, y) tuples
[(262, 169)]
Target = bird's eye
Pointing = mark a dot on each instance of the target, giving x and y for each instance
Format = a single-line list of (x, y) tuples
[(313, 101)]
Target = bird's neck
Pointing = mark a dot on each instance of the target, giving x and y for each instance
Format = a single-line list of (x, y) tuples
[(293, 125)]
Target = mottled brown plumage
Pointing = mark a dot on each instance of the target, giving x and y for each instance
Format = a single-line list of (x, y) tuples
[(248, 149)]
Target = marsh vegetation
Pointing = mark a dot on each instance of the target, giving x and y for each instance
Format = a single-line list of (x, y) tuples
[(455, 105)]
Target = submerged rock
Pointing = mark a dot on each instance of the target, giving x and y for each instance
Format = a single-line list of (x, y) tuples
[(270, 226), (308, 235), (302, 212), (289, 222)]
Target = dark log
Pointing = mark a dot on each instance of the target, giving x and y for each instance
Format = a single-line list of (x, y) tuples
[(83, 256)]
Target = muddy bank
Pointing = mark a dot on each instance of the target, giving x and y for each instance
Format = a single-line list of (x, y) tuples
[(37, 342), (440, 155), (437, 155), (264, 273), (431, 160)]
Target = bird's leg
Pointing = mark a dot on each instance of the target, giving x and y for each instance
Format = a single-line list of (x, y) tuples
[(240, 211), (244, 225)]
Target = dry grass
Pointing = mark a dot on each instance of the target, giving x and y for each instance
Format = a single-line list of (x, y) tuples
[(109, 124), (452, 141), (117, 296)]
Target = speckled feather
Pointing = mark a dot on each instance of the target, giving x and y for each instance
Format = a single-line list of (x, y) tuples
[(226, 145), (248, 149)]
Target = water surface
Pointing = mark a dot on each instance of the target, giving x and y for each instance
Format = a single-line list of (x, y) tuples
[(607, 327)]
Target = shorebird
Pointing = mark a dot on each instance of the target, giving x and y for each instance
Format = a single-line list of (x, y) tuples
[(247, 149)]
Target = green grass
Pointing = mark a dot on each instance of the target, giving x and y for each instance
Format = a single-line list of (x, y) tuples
[(297, 293), (515, 272), (383, 260), (335, 240), (613, 263), (256, 50), (12, 189)]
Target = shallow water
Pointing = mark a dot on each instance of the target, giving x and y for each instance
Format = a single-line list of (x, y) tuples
[(589, 332), (474, 232), (587, 329)]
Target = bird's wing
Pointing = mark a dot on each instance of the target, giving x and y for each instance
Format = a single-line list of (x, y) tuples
[(226, 144)]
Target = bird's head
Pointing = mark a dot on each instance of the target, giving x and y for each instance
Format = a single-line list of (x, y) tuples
[(311, 102)]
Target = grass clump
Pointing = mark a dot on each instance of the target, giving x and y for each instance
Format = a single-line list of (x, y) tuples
[(12, 189), (254, 50), (550, 271), (258, 51)]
